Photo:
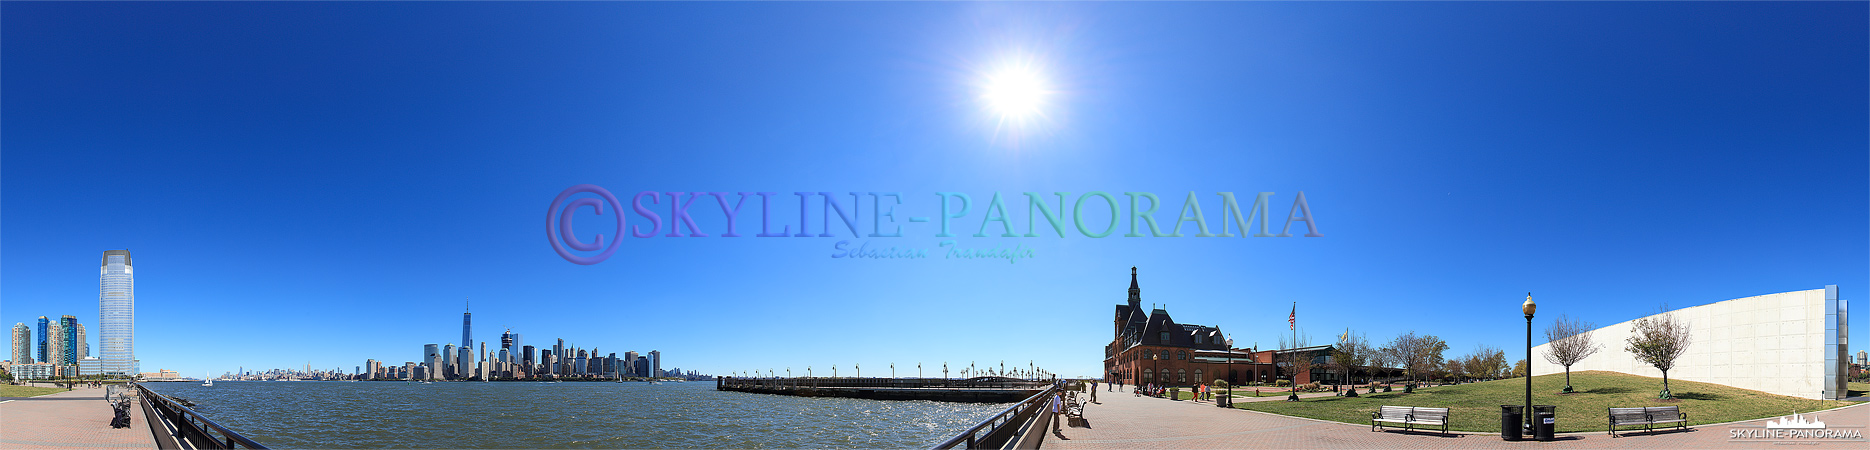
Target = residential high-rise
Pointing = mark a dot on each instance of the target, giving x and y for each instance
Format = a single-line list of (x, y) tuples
[(68, 342), (22, 344), (84, 346), (44, 325), (116, 314), (54, 343)]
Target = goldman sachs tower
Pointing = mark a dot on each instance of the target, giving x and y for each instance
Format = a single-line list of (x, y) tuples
[(116, 314)]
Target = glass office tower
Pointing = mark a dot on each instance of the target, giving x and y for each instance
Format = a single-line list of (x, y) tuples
[(116, 314), (43, 325)]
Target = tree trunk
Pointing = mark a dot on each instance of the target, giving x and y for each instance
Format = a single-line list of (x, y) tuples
[(1568, 377), (1665, 383)]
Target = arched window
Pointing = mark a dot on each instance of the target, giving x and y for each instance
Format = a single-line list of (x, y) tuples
[(1149, 375), (1181, 355), (1181, 375), (1146, 354), (1198, 377)]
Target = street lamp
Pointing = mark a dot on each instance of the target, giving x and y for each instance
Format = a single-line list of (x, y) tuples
[(1528, 308)]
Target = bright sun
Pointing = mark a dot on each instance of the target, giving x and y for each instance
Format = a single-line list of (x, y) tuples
[(1016, 93)]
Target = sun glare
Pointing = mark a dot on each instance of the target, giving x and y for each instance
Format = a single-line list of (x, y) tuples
[(1016, 93)]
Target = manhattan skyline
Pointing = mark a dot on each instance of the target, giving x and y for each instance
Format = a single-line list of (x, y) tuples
[(329, 182)]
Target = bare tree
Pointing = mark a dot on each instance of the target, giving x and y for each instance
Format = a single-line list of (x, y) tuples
[(1569, 342), (1418, 354), (1658, 341), (1352, 351), (1294, 361), (1484, 363)]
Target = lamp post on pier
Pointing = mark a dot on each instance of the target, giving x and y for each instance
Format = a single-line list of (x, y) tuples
[(1528, 308)]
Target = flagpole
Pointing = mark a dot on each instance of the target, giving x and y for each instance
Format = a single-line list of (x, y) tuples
[(1293, 320)]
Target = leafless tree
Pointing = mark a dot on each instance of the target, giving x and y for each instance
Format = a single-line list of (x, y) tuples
[(1570, 342), (1294, 361), (1658, 341), (1484, 363), (1352, 351), (1418, 354)]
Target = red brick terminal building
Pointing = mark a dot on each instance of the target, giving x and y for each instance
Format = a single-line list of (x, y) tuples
[(1150, 347)]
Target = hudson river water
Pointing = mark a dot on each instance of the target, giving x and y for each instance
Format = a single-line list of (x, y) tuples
[(325, 414)]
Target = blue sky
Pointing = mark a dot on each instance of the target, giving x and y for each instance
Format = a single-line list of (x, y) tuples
[(326, 182)]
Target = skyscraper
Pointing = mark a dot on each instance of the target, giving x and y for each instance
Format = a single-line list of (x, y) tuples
[(84, 346), (116, 314), (506, 343), (54, 343), (467, 329), (68, 344), (448, 362), (22, 343), (44, 325), (655, 363), (431, 356)]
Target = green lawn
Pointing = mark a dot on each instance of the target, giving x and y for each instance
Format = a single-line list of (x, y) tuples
[(7, 390), (1858, 389), (1475, 406)]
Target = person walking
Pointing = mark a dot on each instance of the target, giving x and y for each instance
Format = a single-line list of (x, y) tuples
[(1093, 392), (1058, 412)]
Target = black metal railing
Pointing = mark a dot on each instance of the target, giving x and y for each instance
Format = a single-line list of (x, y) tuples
[(882, 383), (997, 429), (193, 427)]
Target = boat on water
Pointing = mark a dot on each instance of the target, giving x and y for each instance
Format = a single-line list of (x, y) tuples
[(207, 381)]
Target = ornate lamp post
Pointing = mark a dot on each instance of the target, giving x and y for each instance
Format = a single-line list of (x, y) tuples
[(1528, 308)]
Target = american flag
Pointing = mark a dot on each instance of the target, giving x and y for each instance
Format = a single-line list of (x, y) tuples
[(1293, 320)]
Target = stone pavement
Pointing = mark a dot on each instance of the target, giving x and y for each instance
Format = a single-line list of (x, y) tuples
[(1126, 422), (75, 419)]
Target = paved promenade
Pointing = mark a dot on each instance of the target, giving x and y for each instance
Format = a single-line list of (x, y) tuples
[(1126, 422), (76, 419)]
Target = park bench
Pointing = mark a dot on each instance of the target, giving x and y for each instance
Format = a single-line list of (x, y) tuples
[(1409, 416), (1648, 417)]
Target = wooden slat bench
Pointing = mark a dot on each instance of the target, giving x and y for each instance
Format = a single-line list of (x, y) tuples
[(1409, 416), (1648, 417)]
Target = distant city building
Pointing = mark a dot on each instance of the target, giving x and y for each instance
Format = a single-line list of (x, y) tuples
[(84, 347), (22, 344), (68, 340), (431, 359), (467, 331), (90, 366), (449, 362), (34, 371), (655, 363), (526, 355), (116, 313), (44, 327)]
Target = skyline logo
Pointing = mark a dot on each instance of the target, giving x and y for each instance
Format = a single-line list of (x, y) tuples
[(1044, 216)]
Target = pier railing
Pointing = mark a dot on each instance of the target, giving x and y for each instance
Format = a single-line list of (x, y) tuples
[(999, 428), (187, 425), (881, 383)]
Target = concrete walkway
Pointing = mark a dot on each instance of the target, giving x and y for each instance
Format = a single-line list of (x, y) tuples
[(75, 419), (1126, 422)]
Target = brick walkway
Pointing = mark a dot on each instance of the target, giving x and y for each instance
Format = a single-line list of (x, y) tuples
[(1125, 422), (76, 419)]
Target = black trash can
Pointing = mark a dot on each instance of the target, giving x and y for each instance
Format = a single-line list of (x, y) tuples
[(1511, 419), (1544, 420)]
